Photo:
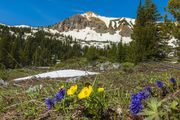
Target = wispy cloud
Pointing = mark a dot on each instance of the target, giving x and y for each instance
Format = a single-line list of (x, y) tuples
[(77, 11)]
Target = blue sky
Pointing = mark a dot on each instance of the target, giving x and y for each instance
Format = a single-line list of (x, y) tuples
[(48, 12)]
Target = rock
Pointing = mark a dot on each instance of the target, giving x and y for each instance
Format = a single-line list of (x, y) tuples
[(3, 83), (74, 22), (73, 80), (102, 68), (78, 22), (119, 110), (34, 88), (108, 66), (116, 65), (107, 63)]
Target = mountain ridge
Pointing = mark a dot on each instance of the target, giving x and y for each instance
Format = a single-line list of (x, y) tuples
[(91, 26), (93, 30)]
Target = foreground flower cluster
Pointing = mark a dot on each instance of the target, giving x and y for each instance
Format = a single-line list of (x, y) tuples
[(136, 99), (136, 105), (85, 92)]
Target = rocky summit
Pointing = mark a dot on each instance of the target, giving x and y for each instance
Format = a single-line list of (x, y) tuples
[(93, 25)]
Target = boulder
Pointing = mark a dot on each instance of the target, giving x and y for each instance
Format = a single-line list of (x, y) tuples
[(3, 83)]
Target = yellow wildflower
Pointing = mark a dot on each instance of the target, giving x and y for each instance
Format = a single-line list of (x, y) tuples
[(100, 89), (72, 90), (85, 92)]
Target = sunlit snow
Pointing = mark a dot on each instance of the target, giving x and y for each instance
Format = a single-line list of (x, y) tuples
[(89, 34), (59, 74)]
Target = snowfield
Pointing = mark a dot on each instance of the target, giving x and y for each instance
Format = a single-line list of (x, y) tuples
[(59, 74), (22, 26), (89, 34)]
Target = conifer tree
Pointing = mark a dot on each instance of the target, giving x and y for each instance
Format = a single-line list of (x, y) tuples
[(112, 52), (145, 33), (121, 53), (92, 54), (5, 50), (174, 8), (3, 55)]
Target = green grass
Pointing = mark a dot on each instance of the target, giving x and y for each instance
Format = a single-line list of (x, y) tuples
[(11, 74), (75, 63)]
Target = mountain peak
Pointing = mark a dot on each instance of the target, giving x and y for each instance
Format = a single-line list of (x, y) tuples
[(89, 14), (93, 24)]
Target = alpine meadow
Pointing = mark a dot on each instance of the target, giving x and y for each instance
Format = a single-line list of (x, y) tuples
[(63, 60)]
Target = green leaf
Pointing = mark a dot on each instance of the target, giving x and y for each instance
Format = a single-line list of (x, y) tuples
[(174, 105), (152, 112)]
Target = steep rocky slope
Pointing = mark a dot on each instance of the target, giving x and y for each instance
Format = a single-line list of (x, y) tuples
[(90, 26)]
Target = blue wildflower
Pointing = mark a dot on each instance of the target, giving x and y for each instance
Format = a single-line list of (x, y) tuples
[(173, 80), (60, 95), (136, 97), (149, 89), (136, 105), (144, 94), (159, 84), (49, 102)]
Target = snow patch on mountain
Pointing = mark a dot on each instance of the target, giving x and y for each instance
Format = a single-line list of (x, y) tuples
[(3, 24), (106, 20), (22, 26), (51, 31), (89, 34)]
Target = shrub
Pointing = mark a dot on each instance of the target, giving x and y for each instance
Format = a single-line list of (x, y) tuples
[(72, 63), (128, 67), (3, 72)]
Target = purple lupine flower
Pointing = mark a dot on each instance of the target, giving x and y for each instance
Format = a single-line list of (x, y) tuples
[(136, 97), (49, 102), (60, 95), (136, 105), (144, 94), (149, 89), (173, 80), (159, 84)]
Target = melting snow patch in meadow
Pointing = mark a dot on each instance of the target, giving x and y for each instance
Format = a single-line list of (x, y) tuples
[(59, 74)]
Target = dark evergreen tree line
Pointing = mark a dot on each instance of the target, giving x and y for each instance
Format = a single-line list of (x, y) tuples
[(36, 50)]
